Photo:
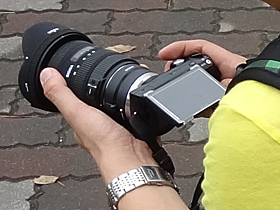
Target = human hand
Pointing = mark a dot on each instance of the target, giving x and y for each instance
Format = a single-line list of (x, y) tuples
[(115, 150), (225, 61)]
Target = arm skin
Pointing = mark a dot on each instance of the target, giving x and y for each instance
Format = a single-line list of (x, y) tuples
[(114, 149)]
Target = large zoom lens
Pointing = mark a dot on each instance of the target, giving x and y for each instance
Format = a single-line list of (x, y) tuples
[(99, 77)]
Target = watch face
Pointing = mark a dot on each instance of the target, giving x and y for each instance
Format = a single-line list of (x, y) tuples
[(154, 174)]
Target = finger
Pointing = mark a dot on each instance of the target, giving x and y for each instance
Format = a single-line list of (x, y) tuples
[(226, 82), (185, 48), (56, 90), (167, 66), (74, 110), (223, 59), (144, 65)]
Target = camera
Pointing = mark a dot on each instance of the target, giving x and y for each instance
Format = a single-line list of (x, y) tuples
[(116, 84)]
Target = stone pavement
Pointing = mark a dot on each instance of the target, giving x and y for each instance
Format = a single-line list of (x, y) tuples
[(34, 142)]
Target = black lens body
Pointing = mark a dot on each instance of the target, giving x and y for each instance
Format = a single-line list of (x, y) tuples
[(101, 78)]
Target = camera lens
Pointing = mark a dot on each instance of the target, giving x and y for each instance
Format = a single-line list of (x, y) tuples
[(99, 77)]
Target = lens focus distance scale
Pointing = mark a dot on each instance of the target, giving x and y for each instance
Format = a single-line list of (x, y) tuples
[(82, 74)]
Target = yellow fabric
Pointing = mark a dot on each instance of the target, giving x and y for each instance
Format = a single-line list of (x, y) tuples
[(242, 164)]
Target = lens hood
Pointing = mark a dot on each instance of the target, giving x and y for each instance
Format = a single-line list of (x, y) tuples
[(39, 44)]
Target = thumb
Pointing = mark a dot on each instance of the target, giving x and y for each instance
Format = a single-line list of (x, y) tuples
[(226, 82), (56, 90), (79, 115), (88, 122)]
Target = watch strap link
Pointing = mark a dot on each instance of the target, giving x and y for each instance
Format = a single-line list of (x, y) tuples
[(145, 175)]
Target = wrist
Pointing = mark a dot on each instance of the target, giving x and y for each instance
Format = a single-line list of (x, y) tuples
[(117, 160)]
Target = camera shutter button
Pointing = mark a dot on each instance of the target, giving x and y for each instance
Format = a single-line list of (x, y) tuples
[(177, 63)]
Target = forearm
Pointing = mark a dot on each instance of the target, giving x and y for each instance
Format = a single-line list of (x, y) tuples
[(117, 161), (154, 198)]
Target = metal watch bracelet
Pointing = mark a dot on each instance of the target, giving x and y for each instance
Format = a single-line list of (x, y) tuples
[(145, 175)]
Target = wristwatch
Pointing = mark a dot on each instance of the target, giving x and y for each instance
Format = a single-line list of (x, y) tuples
[(145, 175)]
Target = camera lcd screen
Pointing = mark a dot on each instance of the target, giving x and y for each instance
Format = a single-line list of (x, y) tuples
[(187, 95)]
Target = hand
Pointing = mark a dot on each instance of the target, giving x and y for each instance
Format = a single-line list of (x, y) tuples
[(115, 150), (223, 59)]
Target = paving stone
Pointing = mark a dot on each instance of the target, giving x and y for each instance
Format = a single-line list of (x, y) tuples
[(16, 5), (199, 130), (29, 131), (9, 72), (154, 66), (242, 44), (142, 43), (194, 131), (13, 195), (172, 136), (180, 134), (269, 21), (89, 194), (271, 37), (7, 95), (24, 162), (241, 31), (10, 48), (66, 135), (68, 138), (84, 22), (163, 22), (116, 5), (233, 4), (187, 187), (24, 108), (187, 159)]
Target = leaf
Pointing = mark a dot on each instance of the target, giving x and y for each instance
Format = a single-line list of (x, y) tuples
[(7, 13), (45, 180), (121, 48), (13, 116)]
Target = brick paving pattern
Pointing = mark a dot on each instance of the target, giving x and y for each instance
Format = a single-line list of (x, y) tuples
[(34, 142)]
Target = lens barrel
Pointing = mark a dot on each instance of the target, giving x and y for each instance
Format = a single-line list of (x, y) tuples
[(39, 43), (99, 77)]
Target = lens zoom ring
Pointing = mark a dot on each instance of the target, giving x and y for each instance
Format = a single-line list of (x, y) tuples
[(80, 80), (61, 52)]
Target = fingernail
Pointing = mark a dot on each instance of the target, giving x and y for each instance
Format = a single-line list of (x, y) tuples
[(45, 75)]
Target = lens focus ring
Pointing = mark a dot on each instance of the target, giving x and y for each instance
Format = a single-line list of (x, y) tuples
[(80, 79)]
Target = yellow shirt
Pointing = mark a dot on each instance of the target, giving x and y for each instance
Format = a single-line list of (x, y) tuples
[(242, 164)]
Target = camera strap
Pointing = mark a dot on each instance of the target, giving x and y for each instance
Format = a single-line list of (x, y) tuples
[(266, 71), (143, 132), (197, 194)]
